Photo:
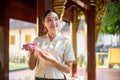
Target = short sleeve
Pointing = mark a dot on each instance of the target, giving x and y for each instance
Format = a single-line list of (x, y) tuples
[(35, 41), (38, 41), (68, 53)]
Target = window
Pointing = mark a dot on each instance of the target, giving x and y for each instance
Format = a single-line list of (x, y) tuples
[(27, 38), (12, 39)]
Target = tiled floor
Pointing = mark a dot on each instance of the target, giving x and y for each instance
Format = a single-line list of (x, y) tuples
[(108, 74), (101, 74), (21, 75)]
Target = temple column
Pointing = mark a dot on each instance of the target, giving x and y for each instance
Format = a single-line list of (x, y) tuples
[(4, 43), (90, 18)]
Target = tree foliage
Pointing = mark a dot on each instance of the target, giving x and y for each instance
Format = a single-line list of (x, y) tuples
[(111, 20)]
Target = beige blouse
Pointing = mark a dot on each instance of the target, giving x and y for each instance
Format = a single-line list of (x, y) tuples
[(61, 48)]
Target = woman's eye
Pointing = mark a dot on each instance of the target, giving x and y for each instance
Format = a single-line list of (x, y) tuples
[(49, 20), (56, 19)]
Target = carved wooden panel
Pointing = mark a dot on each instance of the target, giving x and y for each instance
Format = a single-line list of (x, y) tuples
[(100, 7), (59, 6)]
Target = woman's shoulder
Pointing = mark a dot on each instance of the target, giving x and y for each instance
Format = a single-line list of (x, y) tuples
[(64, 38)]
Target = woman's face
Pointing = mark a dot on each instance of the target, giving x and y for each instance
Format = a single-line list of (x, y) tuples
[(51, 22)]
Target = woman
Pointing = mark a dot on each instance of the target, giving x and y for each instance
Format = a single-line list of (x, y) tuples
[(54, 55)]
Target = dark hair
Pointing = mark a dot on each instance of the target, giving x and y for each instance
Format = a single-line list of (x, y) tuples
[(47, 12)]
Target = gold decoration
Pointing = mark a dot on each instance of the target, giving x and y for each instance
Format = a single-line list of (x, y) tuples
[(60, 2), (79, 14), (59, 6), (99, 12), (92, 2)]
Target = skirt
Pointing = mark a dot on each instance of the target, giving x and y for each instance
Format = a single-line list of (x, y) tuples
[(38, 78)]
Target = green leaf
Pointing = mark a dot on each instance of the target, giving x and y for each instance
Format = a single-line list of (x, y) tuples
[(111, 19)]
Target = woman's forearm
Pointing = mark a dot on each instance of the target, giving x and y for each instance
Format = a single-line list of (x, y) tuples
[(32, 61), (63, 67)]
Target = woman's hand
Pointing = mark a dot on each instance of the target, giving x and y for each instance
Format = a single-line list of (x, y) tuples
[(47, 56), (29, 47)]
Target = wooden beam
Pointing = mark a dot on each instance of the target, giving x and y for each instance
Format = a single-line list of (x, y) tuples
[(67, 16), (21, 12), (80, 3)]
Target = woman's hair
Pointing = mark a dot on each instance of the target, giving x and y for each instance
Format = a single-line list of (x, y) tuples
[(47, 12)]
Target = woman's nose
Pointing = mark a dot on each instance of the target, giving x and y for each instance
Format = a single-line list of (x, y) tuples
[(53, 21)]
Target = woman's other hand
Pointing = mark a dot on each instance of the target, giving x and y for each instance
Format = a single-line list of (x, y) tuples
[(47, 55)]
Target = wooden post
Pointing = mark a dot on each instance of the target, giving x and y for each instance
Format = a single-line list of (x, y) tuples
[(90, 18), (74, 42), (4, 43)]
